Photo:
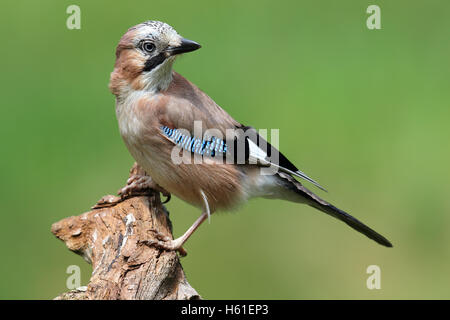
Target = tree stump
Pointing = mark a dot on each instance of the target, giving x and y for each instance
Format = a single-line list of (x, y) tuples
[(111, 238)]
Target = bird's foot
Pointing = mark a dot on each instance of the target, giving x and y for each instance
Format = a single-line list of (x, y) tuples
[(165, 243), (137, 185), (141, 185), (107, 201)]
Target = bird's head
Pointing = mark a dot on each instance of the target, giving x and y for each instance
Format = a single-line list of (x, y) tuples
[(145, 55)]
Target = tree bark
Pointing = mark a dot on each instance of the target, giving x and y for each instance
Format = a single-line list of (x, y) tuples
[(111, 238)]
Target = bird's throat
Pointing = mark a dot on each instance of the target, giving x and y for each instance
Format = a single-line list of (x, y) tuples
[(160, 76)]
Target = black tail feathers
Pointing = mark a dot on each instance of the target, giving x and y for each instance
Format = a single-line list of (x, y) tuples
[(352, 222), (318, 203)]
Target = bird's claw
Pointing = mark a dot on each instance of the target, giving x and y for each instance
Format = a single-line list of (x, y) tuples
[(163, 242), (137, 185), (141, 185), (107, 201)]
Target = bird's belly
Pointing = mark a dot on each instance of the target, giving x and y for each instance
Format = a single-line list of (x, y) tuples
[(221, 183)]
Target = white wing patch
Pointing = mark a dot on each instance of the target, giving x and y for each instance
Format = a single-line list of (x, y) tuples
[(259, 155), (256, 153)]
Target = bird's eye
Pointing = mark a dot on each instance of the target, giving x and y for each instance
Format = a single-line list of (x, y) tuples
[(147, 46)]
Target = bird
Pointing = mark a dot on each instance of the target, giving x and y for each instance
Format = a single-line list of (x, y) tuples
[(189, 146)]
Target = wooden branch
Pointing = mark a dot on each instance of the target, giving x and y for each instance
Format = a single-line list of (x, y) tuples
[(111, 239)]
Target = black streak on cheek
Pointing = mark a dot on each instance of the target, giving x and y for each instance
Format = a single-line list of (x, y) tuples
[(152, 63)]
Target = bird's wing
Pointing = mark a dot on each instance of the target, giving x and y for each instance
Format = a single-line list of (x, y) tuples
[(188, 104), (261, 152), (247, 147)]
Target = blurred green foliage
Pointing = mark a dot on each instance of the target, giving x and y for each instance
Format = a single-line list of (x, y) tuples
[(366, 113)]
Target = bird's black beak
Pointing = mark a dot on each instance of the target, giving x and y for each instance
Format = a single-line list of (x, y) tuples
[(185, 46)]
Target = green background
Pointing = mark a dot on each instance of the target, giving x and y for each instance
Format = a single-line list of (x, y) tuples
[(365, 112)]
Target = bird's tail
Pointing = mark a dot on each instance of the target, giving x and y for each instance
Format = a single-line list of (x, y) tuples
[(351, 221), (318, 203)]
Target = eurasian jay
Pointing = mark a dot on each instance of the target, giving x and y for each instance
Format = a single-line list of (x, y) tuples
[(188, 145)]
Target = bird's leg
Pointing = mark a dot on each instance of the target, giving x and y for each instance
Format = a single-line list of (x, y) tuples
[(166, 243)]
